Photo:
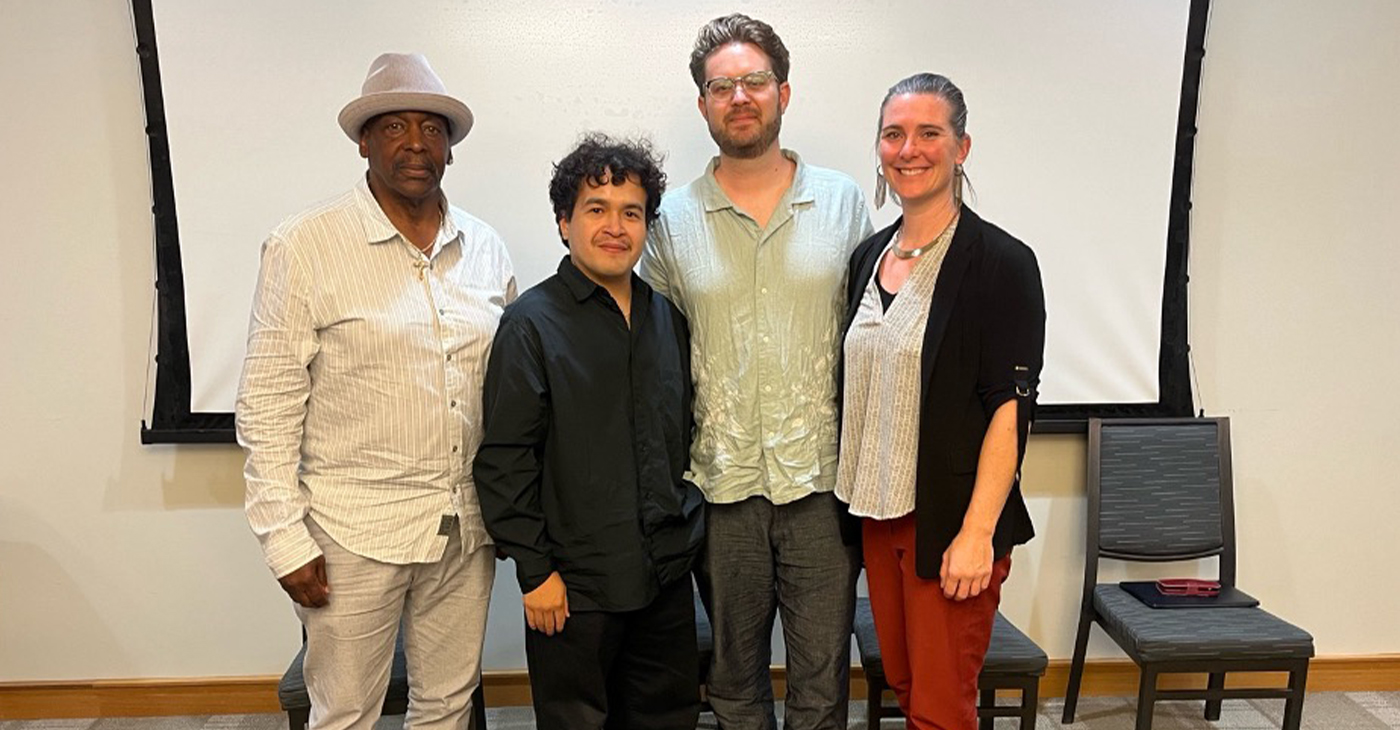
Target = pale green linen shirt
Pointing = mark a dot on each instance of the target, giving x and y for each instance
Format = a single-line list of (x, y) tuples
[(764, 306)]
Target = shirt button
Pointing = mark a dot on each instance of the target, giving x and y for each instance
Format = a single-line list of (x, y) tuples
[(449, 357), (765, 338), (767, 389), (454, 449), (763, 290), (454, 404), (441, 310)]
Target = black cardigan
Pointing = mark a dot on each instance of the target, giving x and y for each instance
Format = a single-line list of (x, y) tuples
[(984, 345)]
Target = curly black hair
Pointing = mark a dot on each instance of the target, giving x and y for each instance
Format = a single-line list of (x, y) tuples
[(599, 158)]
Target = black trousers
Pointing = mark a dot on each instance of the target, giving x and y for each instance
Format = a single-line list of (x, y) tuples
[(633, 670)]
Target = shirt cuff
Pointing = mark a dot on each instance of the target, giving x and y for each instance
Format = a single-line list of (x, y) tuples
[(289, 549), (532, 573)]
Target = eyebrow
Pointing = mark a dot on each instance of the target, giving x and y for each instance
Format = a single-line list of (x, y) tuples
[(888, 127), (595, 200)]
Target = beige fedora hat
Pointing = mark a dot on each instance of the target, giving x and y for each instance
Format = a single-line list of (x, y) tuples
[(400, 82)]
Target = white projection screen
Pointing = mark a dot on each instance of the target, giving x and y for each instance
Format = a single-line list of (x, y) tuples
[(1077, 113)]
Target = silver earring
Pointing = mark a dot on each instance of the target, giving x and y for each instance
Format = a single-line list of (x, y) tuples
[(880, 188)]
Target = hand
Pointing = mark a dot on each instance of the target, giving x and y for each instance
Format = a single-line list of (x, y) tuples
[(547, 606), (307, 585), (967, 565)]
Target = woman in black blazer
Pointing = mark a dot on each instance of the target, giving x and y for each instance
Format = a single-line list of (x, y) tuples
[(944, 338)]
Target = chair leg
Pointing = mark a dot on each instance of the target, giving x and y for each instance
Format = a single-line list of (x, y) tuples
[(1293, 706), (1147, 697), (1217, 682), (874, 697), (478, 708), (1030, 703), (297, 719), (989, 699), (1076, 665)]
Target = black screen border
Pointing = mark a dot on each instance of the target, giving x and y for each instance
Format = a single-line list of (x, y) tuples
[(172, 421)]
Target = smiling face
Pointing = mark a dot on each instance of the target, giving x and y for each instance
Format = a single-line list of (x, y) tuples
[(919, 148), (607, 229), (747, 122), (407, 153)]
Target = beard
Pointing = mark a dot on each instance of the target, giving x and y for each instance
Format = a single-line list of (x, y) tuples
[(748, 147)]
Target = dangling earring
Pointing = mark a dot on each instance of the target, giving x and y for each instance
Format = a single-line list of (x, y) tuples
[(880, 187), (957, 185)]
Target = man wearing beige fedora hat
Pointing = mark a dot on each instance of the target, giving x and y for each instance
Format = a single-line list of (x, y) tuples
[(359, 411)]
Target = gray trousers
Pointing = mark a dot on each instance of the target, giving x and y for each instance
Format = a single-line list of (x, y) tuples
[(350, 641), (762, 560)]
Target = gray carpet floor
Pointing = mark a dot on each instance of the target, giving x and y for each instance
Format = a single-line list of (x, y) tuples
[(1321, 711)]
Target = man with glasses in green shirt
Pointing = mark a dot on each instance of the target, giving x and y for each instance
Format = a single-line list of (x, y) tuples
[(754, 253)]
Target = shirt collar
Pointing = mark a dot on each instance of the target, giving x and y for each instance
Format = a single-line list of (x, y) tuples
[(583, 287), (712, 195), (378, 228), (579, 285)]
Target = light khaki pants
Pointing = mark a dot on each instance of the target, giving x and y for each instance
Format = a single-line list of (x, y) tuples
[(350, 642)]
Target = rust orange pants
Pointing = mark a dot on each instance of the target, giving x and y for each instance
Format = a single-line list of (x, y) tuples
[(931, 647)]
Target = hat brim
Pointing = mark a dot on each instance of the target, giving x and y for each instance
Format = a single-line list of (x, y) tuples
[(353, 117)]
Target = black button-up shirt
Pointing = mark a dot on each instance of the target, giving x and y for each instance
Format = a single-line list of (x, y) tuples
[(587, 440)]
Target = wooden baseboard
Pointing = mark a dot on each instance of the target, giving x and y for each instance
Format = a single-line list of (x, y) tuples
[(1119, 677), (138, 698), (236, 695)]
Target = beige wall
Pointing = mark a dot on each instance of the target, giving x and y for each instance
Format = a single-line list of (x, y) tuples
[(118, 560), (1295, 305)]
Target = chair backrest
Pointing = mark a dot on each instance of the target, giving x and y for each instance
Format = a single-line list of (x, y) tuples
[(1160, 489)]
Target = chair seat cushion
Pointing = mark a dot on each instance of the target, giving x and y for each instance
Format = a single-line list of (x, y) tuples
[(704, 638), (291, 691), (1150, 634), (1011, 651), (866, 643)]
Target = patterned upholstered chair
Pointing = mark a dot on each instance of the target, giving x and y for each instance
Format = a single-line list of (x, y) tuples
[(705, 644), (1013, 662), (1161, 490)]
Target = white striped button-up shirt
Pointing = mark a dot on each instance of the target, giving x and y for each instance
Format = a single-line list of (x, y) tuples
[(360, 401)]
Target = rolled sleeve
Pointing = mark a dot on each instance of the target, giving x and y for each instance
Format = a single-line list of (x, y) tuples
[(271, 408), (1013, 335), (508, 465)]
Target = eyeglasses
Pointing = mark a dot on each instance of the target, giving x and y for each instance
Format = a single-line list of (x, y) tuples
[(722, 87)]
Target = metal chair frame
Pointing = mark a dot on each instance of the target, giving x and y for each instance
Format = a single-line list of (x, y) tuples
[(1024, 708)]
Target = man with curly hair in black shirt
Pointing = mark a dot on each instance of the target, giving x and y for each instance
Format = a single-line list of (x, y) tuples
[(582, 469)]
